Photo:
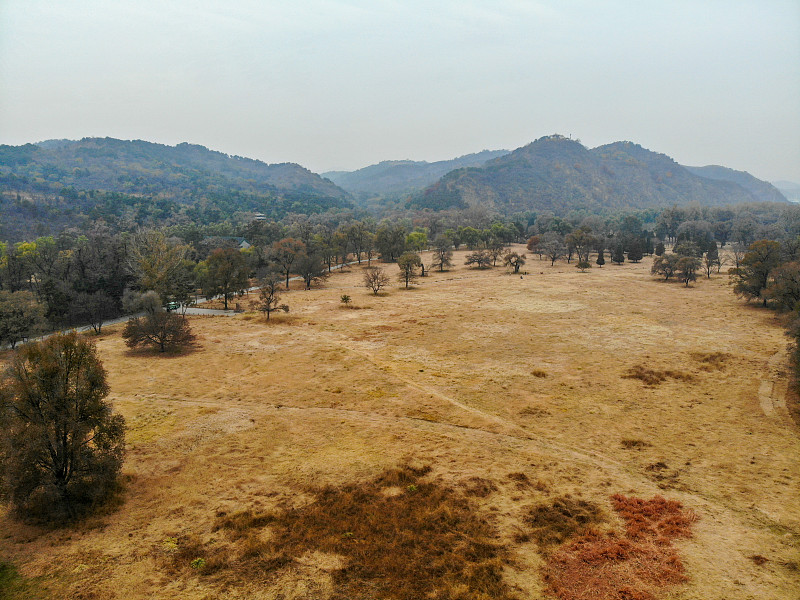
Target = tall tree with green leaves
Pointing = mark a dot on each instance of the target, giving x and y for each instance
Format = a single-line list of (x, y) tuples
[(409, 262), (751, 278), (62, 446)]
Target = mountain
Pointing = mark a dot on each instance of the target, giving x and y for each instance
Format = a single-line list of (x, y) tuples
[(762, 190), (402, 177), (59, 183), (560, 174), (790, 189)]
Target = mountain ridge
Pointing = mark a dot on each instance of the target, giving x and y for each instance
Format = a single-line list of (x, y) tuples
[(560, 174)]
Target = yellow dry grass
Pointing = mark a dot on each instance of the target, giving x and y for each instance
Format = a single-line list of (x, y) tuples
[(479, 374)]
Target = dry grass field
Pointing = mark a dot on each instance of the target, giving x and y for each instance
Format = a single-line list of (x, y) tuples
[(447, 441)]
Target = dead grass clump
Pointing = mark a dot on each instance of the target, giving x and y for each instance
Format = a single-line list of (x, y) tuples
[(661, 519), (479, 487), (710, 360), (424, 540), (653, 377), (555, 522), (630, 567), (631, 444), (539, 373), (759, 560)]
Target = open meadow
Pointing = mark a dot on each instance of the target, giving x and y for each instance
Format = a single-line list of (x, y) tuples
[(313, 456)]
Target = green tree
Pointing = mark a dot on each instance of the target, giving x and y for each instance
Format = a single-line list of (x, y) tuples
[(283, 255), (417, 241), (226, 275), (711, 259), (310, 267), (62, 447), (784, 286), (665, 265), (21, 317), (601, 260), (409, 262), (752, 276), (514, 260), (442, 254), (686, 269), (158, 328), (481, 259), (390, 240), (618, 254)]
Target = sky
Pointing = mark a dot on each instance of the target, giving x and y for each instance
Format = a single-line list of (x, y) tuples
[(339, 85)]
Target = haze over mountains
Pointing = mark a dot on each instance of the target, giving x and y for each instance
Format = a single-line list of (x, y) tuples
[(554, 172), (400, 177), (48, 186)]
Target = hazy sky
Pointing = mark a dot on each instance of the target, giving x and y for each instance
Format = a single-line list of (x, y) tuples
[(333, 84)]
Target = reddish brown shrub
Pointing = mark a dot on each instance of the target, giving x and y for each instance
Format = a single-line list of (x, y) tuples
[(630, 567)]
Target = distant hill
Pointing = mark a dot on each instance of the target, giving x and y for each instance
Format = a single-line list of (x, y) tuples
[(790, 189), (560, 174), (402, 177), (59, 183), (763, 191)]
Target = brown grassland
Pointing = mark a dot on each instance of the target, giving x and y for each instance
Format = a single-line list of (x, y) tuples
[(481, 435)]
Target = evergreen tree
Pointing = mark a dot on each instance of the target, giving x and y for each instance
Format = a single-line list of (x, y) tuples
[(600, 258), (618, 254)]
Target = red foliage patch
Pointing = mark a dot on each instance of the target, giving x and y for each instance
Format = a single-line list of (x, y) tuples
[(623, 567)]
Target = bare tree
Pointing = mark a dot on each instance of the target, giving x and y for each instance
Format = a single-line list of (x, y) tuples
[(268, 299), (375, 279), (409, 262)]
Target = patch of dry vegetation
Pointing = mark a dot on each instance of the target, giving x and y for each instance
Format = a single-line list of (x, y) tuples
[(397, 536), (653, 377), (633, 566)]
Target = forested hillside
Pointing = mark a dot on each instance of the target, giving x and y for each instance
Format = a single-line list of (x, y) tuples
[(761, 190), (399, 177), (49, 186), (560, 174)]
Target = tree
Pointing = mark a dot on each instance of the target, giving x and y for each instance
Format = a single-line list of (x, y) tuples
[(268, 298), (310, 268), (408, 262), (601, 260), (94, 309), (635, 252), (442, 255), (226, 274), (618, 254), (375, 279), (159, 328), (417, 241), (156, 263), (752, 276), (665, 265), (390, 240), (283, 255), (553, 247), (514, 260), (21, 316), (660, 248), (480, 258), (62, 447), (583, 265), (686, 268), (582, 241), (784, 286), (711, 259)]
